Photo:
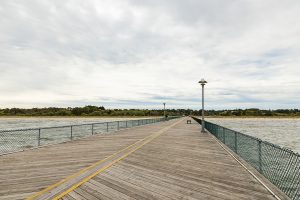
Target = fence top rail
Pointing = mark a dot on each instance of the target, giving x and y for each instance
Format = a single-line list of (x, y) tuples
[(257, 139), (236, 131), (71, 125)]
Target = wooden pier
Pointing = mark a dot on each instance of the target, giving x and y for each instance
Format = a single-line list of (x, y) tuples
[(167, 160)]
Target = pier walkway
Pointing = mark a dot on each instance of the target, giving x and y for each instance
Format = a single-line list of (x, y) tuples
[(166, 160)]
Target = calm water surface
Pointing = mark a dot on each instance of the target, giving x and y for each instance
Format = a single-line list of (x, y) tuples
[(284, 132), (23, 139), (36, 122), (281, 131)]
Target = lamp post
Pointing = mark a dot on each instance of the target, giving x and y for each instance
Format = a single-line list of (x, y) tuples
[(164, 110), (202, 82)]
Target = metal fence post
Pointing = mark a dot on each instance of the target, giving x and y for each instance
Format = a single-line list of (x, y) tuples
[(281, 166), (92, 129), (259, 156), (223, 135), (39, 137), (235, 142), (71, 132), (118, 125), (106, 126), (126, 124)]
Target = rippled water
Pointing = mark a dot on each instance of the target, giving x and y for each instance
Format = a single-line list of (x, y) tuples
[(284, 132), (281, 131), (36, 122), (60, 130)]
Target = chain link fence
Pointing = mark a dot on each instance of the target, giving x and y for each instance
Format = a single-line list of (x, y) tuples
[(21, 139), (280, 165)]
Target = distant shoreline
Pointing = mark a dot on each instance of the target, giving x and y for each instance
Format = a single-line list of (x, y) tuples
[(101, 117), (78, 116), (101, 112), (249, 117)]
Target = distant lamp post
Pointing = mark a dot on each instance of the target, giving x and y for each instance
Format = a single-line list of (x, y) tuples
[(202, 82), (164, 110)]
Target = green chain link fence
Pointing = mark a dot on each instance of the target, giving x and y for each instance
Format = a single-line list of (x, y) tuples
[(21, 139), (280, 165)]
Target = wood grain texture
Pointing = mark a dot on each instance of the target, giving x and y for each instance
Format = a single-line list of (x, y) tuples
[(25, 173), (181, 163)]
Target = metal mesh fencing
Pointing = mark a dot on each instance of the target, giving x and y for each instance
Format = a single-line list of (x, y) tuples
[(14, 140), (79, 131), (53, 135), (99, 128), (18, 140), (279, 165)]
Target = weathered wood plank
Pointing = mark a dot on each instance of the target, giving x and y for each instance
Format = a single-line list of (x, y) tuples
[(27, 172), (179, 163)]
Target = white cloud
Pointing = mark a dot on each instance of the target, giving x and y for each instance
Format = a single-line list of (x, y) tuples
[(70, 53)]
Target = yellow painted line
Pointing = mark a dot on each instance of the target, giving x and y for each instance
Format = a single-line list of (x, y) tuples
[(113, 162), (80, 172), (35, 195)]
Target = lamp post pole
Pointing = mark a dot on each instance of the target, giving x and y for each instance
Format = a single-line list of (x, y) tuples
[(202, 82)]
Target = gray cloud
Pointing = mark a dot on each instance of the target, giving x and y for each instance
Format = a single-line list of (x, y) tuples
[(75, 52)]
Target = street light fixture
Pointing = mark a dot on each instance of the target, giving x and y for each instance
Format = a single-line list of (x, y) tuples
[(202, 82)]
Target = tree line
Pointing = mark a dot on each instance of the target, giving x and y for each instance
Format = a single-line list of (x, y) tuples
[(255, 112), (85, 111), (101, 111)]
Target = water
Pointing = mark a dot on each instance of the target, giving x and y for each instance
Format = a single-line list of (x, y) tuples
[(7, 123), (284, 132), (25, 138)]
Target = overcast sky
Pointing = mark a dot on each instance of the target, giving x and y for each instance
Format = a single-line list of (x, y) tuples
[(139, 53)]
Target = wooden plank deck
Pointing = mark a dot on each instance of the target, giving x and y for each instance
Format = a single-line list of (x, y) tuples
[(24, 173), (170, 160)]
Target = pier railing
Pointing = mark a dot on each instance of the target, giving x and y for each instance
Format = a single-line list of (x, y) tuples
[(20, 139), (279, 165)]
